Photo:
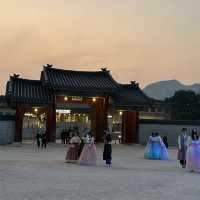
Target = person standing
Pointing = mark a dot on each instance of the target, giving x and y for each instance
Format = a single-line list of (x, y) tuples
[(62, 136), (155, 148), (72, 153), (193, 153), (38, 138), (89, 154), (107, 153), (44, 141), (182, 147)]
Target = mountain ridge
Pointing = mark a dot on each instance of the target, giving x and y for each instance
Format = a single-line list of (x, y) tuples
[(166, 88)]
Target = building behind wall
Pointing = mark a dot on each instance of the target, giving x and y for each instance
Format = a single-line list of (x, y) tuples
[(158, 110)]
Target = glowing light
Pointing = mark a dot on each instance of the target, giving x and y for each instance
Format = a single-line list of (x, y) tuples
[(119, 136), (28, 114), (120, 112), (65, 98), (94, 99), (63, 111), (109, 116), (35, 109)]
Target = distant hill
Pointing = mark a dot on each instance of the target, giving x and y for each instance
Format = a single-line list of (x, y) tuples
[(162, 89)]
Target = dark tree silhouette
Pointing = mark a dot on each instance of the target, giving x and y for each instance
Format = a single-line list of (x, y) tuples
[(185, 105)]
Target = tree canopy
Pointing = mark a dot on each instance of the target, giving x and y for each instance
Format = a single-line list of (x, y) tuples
[(185, 105)]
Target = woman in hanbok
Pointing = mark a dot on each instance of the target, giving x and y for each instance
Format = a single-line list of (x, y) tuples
[(107, 152), (193, 153), (155, 148), (72, 154), (89, 154)]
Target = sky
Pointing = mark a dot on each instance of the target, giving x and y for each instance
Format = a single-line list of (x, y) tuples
[(141, 40)]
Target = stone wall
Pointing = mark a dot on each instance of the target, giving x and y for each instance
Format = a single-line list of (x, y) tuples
[(7, 130), (171, 129)]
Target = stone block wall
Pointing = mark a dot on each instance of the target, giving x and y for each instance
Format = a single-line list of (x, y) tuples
[(7, 130), (171, 129)]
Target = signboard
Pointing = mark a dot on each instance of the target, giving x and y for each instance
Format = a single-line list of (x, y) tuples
[(63, 111)]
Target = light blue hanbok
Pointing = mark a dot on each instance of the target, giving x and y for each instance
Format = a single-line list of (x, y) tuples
[(156, 149)]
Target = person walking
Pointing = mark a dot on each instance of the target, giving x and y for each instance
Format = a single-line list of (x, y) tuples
[(107, 152)]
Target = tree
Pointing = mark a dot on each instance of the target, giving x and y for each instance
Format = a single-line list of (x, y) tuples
[(185, 105)]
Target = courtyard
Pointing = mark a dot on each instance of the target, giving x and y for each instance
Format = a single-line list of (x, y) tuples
[(26, 174)]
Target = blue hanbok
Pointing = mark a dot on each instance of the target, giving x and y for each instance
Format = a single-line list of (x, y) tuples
[(156, 149)]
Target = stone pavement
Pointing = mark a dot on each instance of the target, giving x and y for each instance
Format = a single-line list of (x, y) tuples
[(26, 174)]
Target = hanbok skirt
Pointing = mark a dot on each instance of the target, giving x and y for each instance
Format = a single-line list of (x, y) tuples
[(154, 150), (88, 155), (193, 157), (107, 153), (72, 154)]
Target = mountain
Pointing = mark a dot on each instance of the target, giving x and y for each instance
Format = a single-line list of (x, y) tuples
[(162, 89)]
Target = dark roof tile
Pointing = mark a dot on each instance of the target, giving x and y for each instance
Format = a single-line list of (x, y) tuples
[(28, 91), (130, 95), (97, 81), (74, 83)]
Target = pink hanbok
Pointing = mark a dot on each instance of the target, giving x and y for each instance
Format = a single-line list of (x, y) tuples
[(72, 153), (89, 153), (193, 156)]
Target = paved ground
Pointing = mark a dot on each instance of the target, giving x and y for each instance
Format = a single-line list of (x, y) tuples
[(26, 174)]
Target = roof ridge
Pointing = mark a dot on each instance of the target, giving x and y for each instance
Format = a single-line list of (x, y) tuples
[(27, 80), (76, 71)]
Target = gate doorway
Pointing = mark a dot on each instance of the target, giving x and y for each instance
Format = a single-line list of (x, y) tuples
[(32, 121), (68, 120)]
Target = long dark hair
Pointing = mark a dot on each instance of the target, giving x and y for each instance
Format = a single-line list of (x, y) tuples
[(90, 134), (156, 134), (194, 135)]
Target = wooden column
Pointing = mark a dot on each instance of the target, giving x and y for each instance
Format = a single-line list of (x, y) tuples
[(130, 127), (18, 123), (99, 118), (51, 123), (105, 113)]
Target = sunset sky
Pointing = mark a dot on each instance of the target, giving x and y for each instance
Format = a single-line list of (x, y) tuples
[(142, 40)]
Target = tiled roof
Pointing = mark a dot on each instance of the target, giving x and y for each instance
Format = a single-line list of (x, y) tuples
[(79, 81), (27, 91), (130, 95)]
